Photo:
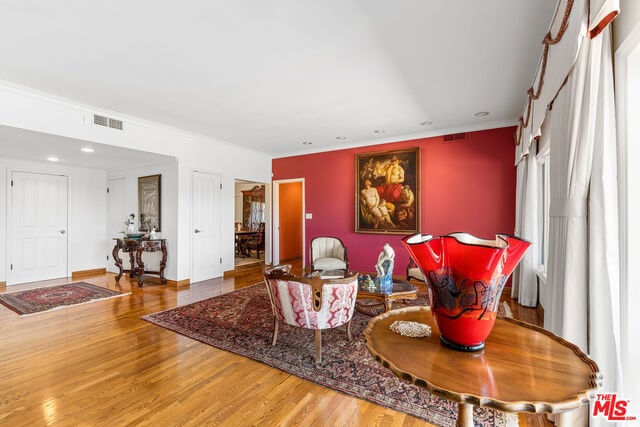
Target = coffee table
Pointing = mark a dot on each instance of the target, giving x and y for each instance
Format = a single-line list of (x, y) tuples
[(522, 368), (402, 290)]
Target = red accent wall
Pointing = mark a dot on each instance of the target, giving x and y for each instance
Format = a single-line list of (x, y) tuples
[(467, 185)]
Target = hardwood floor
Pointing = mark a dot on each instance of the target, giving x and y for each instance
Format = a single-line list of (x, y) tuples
[(100, 364)]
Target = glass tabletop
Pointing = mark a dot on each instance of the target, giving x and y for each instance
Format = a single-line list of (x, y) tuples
[(398, 287)]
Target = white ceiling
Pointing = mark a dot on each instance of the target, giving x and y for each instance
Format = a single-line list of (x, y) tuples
[(268, 75), (22, 144)]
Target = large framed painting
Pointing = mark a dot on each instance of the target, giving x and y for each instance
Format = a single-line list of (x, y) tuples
[(388, 192), (149, 192)]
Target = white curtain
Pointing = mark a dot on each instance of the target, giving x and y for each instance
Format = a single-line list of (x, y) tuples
[(571, 20), (525, 280), (604, 272), (583, 252)]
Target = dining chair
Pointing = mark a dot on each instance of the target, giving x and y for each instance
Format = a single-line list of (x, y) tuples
[(256, 242)]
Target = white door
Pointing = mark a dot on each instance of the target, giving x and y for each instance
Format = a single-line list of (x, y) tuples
[(206, 241), (38, 227), (116, 215)]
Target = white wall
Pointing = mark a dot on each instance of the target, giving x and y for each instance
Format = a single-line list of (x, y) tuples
[(625, 22), (168, 210), (27, 109), (87, 213)]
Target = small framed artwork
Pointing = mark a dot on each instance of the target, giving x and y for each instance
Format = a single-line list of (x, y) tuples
[(388, 192), (149, 192)]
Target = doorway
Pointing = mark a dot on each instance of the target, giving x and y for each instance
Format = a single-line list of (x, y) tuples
[(289, 220), (116, 211), (38, 227), (251, 224)]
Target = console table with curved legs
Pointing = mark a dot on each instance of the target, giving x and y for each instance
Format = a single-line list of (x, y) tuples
[(135, 248)]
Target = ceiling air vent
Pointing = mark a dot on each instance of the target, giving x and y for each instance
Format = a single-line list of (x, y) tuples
[(107, 122), (116, 124), (454, 137), (100, 120)]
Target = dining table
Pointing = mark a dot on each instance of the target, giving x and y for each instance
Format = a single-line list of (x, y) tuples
[(242, 236)]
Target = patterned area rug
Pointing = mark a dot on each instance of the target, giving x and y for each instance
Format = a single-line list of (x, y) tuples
[(241, 322), (54, 297)]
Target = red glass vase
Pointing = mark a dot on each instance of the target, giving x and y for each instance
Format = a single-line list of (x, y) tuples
[(465, 276)]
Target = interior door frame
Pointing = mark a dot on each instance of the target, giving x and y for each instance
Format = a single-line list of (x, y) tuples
[(276, 220), (9, 218), (110, 266)]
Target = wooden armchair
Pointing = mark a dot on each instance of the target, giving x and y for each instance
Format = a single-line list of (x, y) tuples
[(256, 242), (310, 303)]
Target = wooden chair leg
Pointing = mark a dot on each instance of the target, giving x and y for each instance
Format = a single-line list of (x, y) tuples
[(318, 346), (276, 326), (349, 330)]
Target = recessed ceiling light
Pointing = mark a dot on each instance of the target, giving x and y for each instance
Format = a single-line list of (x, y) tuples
[(379, 131), (52, 158), (306, 142), (427, 123), (87, 149), (341, 137), (482, 114)]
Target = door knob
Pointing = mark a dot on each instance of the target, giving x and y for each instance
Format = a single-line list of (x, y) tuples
[(196, 231), (62, 231)]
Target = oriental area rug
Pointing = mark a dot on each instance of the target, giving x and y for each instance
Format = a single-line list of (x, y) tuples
[(55, 297), (242, 322)]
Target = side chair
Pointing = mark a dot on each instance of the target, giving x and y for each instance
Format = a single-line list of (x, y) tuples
[(328, 253), (256, 242), (413, 272)]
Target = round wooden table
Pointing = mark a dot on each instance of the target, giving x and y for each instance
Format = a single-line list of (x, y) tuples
[(523, 368)]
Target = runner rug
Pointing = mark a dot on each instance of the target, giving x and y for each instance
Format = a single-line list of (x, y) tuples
[(54, 297), (242, 322)]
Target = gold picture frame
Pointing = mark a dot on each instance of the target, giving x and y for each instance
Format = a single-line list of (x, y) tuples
[(149, 199), (387, 192)]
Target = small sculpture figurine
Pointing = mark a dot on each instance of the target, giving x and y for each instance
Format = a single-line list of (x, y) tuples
[(152, 233), (130, 224), (384, 268)]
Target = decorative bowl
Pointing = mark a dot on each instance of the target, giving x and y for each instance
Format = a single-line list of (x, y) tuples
[(134, 235)]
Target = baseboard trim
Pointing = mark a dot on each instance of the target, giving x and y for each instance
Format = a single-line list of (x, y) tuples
[(229, 273), (180, 283), (156, 280), (85, 273)]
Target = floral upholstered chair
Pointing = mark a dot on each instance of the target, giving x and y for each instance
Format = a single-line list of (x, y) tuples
[(310, 303), (328, 253)]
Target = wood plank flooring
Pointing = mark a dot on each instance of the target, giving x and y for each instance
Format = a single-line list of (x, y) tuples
[(98, 364)]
